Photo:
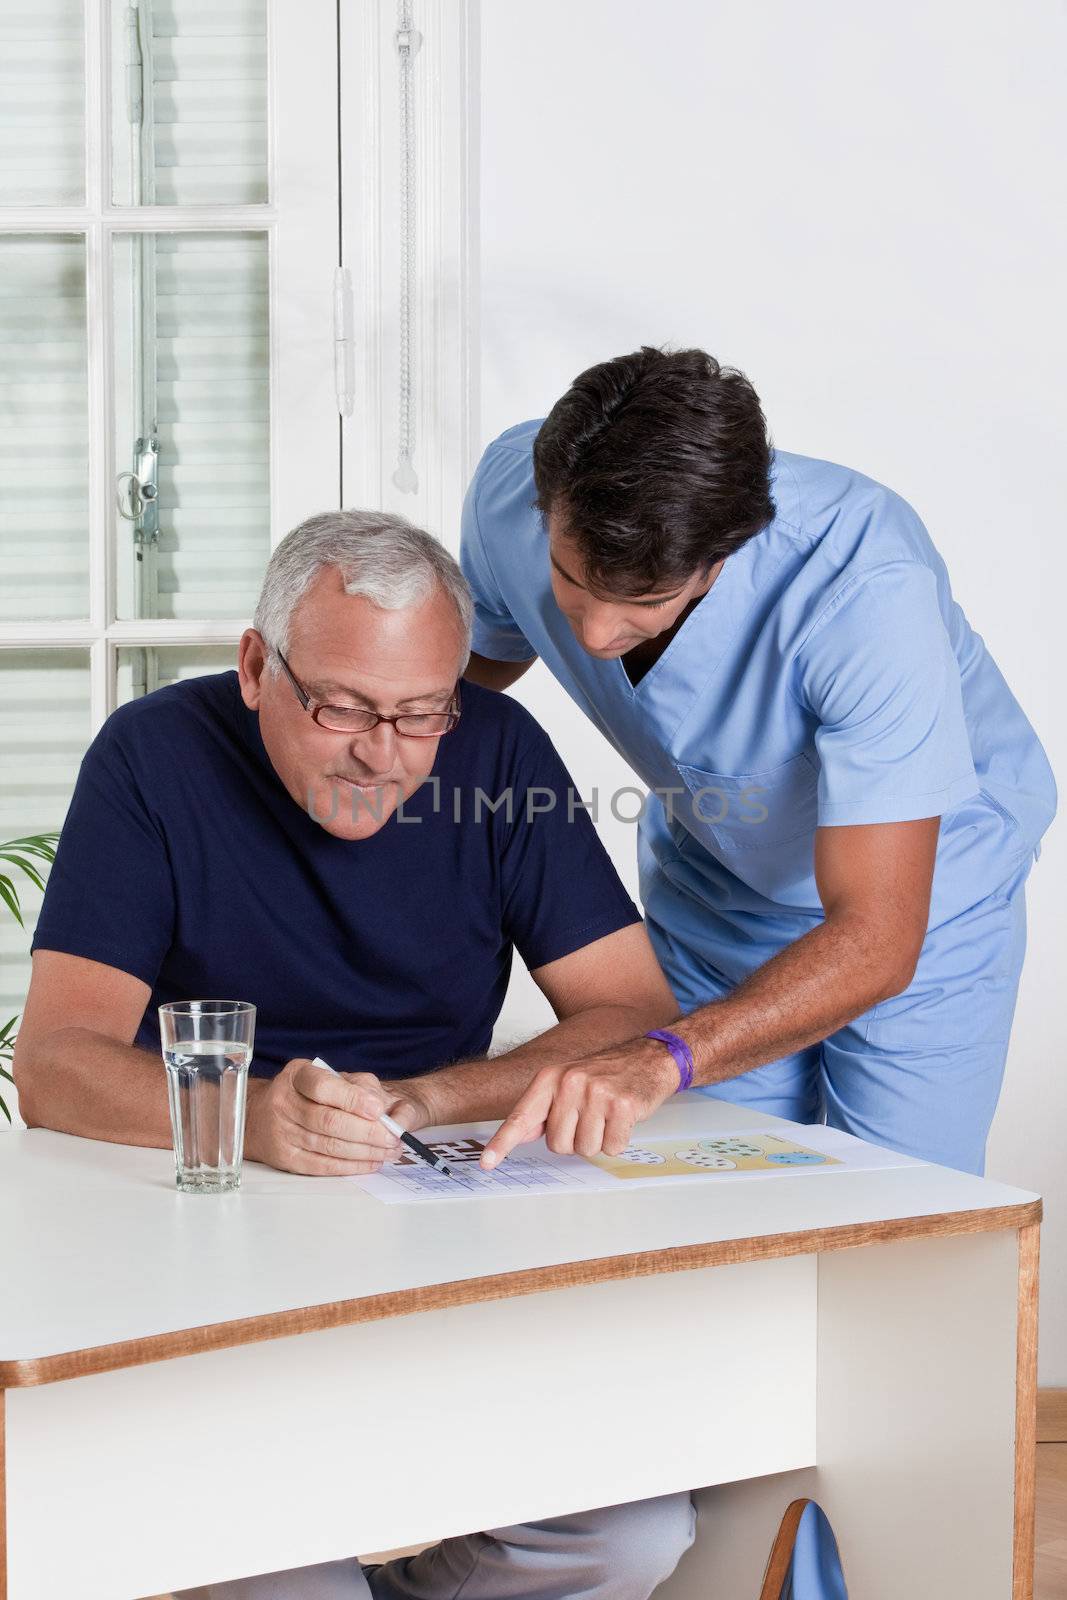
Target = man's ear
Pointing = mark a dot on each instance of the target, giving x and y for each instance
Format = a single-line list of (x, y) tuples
[(251, 665)]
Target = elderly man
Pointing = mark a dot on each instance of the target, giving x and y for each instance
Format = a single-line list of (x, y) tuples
[(336, 834)]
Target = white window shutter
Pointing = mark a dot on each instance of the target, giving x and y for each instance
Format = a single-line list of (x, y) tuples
[(42, 103), (43, 428)]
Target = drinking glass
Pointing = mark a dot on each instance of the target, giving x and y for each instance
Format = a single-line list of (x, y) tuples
[(207, 1046)]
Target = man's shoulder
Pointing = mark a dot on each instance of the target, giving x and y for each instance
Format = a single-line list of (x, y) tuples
[(860, 516), (499, 727), (500, 503), (180, 709), (518, 440), (499, 714), (509, 456)]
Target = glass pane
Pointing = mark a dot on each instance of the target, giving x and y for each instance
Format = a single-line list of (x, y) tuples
[(42, 103), (44, 428), (141, 670), (192, 414), (189, 118), (44, 730)]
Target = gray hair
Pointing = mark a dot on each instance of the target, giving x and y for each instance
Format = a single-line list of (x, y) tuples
[(379, 555)]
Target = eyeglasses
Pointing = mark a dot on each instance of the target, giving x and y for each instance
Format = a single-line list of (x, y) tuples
[(351, 719)]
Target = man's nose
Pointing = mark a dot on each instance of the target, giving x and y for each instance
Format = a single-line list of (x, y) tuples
[(376, 748), (599, 627)]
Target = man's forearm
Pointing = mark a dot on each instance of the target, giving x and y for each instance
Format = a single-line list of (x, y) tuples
[(81, 1082), (806, 992), (482, 1090)]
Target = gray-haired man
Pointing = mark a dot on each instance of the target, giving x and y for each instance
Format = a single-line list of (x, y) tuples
[(306, 833)]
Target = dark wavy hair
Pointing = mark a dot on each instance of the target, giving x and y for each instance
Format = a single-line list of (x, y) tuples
[(657, 465)]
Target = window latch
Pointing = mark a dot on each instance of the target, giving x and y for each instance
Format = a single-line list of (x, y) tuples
[(137, 492)]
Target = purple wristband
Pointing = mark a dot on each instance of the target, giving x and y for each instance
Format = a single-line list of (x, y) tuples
[(683, 1056)]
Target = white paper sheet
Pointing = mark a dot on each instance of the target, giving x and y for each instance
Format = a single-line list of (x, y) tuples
[(705, 1155)]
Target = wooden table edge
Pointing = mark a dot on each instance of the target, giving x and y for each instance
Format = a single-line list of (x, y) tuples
[(32, 1371)]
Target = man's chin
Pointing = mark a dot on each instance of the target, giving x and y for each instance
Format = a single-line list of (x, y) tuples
[(613, 652), (360, 827), (349, 812)]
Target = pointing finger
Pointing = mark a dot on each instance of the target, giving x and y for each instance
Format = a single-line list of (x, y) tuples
[(526, 1121)]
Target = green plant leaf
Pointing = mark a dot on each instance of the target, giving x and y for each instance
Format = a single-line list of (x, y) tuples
[(4, 1109), (37, 844), (18, 853), (15, 849), (24, 866), (8, 894), (5, 1074)]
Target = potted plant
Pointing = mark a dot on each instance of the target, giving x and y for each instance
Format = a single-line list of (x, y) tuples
[(26, 856)]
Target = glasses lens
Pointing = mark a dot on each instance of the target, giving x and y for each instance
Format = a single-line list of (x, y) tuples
[(425, 726), (345, 719)]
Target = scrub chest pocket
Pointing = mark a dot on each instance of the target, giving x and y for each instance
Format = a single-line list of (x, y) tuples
[(759, 824)]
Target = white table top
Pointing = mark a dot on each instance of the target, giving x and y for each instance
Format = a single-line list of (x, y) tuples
[(100, 1248)]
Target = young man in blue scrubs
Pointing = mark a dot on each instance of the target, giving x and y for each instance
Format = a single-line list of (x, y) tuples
[(846, 797)]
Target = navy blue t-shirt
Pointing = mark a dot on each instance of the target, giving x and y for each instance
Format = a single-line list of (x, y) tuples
[(185, 861)]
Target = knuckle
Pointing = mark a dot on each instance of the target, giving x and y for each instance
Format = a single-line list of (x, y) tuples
[(333, 1122), (326, 1145), (369, 1108)]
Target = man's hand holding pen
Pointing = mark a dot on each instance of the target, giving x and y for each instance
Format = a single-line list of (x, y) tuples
[(325, 1124)]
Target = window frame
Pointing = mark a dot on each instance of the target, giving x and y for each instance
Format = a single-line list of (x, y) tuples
[(301, 223)]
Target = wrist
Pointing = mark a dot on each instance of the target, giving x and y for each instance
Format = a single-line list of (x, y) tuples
[(255, 1089), (679, 1054), (419, 1094)]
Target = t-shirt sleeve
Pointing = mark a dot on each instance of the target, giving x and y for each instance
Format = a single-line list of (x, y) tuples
[(560, 890), (110, 893), (879, 673), (496, 633)]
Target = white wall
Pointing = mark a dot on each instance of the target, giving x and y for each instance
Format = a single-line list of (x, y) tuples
[(864, 208)]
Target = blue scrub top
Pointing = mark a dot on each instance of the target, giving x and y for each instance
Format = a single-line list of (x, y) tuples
[(827, 677)]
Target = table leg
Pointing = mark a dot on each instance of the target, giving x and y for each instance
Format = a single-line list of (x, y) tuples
[(3, 1499), (926, 1428)]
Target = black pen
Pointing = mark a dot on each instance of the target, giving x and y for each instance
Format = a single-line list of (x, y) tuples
[(423, 1151)]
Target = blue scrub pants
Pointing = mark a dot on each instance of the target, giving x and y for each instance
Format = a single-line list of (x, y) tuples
[(920, 1073)]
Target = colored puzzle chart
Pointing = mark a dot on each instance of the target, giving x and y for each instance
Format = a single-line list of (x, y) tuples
[(684, 1158), (702, 1157)]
